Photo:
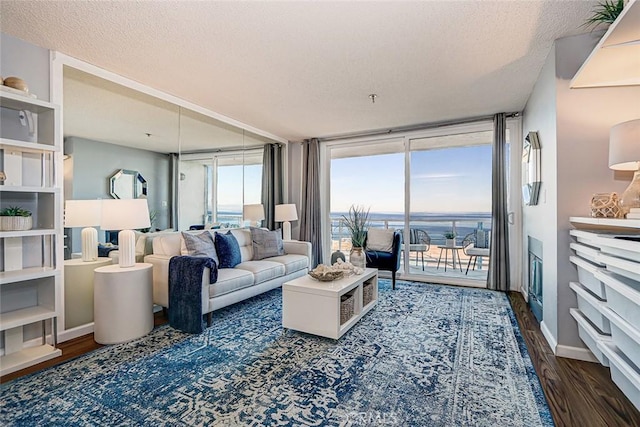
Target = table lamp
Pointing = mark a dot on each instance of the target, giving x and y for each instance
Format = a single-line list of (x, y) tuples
[(253, 213), (624, 154), (284, 214), (85, 213), (125, 215)]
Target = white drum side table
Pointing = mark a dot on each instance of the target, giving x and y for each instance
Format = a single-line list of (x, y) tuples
[(78, 290), (123, 303)]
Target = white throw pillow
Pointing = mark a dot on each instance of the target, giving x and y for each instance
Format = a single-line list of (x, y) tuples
[(380, 239)]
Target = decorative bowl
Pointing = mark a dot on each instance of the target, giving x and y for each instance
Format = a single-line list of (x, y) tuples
[(327, 277)]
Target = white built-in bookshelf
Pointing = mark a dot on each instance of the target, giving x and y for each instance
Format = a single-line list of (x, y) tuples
[(30, 260)]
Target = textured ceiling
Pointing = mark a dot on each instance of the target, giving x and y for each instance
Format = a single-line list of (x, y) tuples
[(304, 69)]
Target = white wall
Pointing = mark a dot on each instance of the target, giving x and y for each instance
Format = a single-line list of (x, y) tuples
[(540, 115), (29, 62), (574, 133), (294, 151)]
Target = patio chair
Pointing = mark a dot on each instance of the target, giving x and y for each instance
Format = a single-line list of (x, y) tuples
[(419, 242), (387, 261), (474, 245)]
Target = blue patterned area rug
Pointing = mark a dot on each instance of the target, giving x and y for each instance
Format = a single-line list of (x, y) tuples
[(427, 355)]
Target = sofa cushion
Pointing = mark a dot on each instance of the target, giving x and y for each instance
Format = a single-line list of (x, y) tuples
[(262, 270), (266, 243), (200, 245), (243, 236), (229, 280), (228, 250), (167, 244), (292, 262)]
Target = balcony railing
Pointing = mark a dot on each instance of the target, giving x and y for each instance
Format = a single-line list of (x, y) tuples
[(435, 226)]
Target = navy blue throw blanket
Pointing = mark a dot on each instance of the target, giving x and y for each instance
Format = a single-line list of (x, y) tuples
[(185, 291)]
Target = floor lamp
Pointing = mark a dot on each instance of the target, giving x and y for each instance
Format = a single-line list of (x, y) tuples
[(125, 215), (284, 214), (85, 213)]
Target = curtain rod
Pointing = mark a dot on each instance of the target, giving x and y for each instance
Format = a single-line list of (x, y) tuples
[(402, 129)]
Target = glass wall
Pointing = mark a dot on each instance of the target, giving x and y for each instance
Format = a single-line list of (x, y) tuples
[(425, 184)]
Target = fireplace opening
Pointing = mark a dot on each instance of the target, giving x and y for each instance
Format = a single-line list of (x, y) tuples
[(535, 277)]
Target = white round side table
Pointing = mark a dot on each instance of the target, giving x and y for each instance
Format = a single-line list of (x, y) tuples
[(123, 303)]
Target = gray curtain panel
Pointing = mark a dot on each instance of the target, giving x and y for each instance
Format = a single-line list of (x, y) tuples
[(310, 220), (498, 278), (272, 183)]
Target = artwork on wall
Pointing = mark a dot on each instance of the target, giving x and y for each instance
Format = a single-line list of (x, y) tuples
[(531, 179)]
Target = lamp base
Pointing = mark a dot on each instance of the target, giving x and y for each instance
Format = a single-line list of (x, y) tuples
[(89, 244), (286, 230), (127, 248), (631, 196)]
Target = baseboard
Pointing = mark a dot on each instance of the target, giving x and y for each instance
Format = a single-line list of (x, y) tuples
[(75, 332), (549, 337), (576, 353), (525, 294)]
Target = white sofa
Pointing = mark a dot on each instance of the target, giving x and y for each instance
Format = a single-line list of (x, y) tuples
[(245, 280)]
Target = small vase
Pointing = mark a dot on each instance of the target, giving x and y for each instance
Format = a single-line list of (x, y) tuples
[(357, 257), (450, 242)]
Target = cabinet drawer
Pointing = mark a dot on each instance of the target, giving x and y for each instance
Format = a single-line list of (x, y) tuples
[(586, 276), (623, 296), (624, 335), (590, 336), (623, 373), (586, 252), (591, 308)]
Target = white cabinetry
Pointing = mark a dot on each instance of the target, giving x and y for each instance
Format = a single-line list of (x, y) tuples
[(30, 261), (607, 256)]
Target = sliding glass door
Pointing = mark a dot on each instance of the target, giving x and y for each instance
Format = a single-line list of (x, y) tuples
[(428, 184), (449, 205)]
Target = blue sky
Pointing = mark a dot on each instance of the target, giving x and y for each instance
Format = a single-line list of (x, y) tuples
[(230, 186), (442, 180)]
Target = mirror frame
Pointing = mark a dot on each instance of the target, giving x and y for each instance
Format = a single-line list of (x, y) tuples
[(138, 181)]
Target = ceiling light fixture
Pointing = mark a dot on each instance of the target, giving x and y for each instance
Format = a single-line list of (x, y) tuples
[(148, 134), (373, 97)]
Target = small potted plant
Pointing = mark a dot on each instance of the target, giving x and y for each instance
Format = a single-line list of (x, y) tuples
[(450, 238), (357, 223), (15, 218)]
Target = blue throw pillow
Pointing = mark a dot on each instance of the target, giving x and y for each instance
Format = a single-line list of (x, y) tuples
[(228, 250)]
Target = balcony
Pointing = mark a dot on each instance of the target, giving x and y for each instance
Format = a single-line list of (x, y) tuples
[(435, 226)]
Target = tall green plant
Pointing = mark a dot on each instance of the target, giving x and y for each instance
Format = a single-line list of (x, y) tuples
[(604, 12), (357, 223)]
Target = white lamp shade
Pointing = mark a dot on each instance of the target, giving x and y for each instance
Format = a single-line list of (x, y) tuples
[(125, 214), (253, 212), (82, 213), (286, 213), (624, 146)]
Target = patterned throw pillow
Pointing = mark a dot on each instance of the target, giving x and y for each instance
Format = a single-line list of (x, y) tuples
[(266, 243), (200, 245), (228, 250)]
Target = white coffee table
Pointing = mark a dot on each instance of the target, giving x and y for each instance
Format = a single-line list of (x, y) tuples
[(311, 306)]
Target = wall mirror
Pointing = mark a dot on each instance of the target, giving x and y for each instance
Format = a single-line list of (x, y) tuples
[(127, 184), (199, 169), (531, 169)]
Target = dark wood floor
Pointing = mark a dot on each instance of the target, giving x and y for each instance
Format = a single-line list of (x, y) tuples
[(579, 393)]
